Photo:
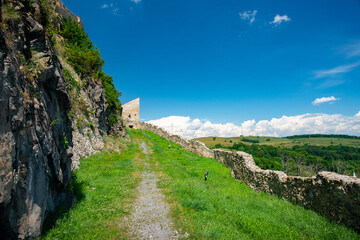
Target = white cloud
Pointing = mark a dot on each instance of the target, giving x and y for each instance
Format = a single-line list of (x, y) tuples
[(352, 49), (107, 5), (331, 83), (248, 15), (115, 11), (277, 127), (319, 101), (337, 70), (279, 19), (136, 1)]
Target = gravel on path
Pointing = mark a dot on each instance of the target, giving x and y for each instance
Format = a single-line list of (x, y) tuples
[(149, 219)]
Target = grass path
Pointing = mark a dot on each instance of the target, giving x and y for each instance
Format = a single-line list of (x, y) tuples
[(108, 206), (150, 215), (104, 187), (224, 208)]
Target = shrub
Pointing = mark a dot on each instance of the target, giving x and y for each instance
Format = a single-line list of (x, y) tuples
[(80, 51), (86, 61), (70, 81), (9, 13)]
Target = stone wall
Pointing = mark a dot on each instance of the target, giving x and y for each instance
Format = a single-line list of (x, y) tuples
[(196, 147), (131, 110), (334, 196)]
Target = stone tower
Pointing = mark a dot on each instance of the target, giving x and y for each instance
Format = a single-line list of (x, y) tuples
[(131, 110)]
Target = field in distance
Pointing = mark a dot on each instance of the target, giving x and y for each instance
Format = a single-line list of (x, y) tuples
[(285, 142)]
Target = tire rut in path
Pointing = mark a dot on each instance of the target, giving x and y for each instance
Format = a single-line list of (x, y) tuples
[(149, 219)]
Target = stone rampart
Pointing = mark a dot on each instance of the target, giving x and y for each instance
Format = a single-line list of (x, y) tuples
[(334, 196), (196, 147)]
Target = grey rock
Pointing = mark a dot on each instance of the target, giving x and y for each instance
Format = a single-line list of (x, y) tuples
[(35, 165)]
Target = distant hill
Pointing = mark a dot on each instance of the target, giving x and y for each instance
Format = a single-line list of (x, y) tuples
[(323, 136), (286, 142), (302, 155)]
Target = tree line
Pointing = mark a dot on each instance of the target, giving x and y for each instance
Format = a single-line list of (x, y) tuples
[(303, 160)]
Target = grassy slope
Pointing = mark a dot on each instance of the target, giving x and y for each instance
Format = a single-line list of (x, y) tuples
[(221, 208), (282, 142), (105, 184)]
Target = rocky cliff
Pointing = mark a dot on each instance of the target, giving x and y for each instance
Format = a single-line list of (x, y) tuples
[(46, 124)]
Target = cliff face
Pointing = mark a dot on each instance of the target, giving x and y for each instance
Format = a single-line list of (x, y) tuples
[(43, 123), (88, 116)]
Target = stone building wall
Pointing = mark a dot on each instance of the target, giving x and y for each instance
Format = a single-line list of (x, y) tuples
[(131, 110), (334, 196)]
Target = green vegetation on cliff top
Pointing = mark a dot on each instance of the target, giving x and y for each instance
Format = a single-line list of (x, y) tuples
[(81, 54), (221, 208), (86, 61)]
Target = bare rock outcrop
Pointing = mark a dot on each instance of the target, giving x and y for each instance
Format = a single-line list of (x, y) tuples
[(44, 130), (35, 129)]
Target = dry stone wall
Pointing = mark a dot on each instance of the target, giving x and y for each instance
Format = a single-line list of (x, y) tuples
[(334, 196), (196, 147)]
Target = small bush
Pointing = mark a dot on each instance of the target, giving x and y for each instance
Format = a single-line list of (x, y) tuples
[(64, 142), (9, 13), (78, 123), (86, 61), (70, 81), (250, 140), (54, 122)]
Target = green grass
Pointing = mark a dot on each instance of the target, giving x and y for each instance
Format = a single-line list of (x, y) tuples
[(281, 142), (104, 187), (224, 208), (221, 208)]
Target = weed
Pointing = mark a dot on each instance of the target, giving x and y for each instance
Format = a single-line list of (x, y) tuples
[(90, 125), (26, 96), (78, 123), (71, 82), (3, 27), (64, 142), (54, 122), (9, 13)]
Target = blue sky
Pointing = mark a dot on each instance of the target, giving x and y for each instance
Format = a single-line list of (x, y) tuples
[(230, 61)]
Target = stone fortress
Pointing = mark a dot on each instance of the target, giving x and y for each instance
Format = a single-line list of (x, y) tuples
[(334, 196), (131, 110)]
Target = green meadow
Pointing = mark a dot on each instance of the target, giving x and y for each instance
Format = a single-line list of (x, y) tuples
[(219, 208), (281, 142), (104, 188)]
